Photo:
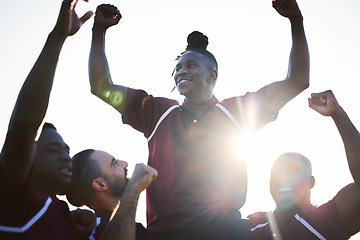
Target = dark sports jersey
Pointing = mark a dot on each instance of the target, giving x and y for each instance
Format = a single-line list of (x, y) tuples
[(28, 213), (313, 223), (193, 149), (102, 220)]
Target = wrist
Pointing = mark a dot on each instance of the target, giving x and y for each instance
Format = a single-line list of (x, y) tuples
[(56, 36), (298, 19), (133, 189), (339, 114), (98, 29)]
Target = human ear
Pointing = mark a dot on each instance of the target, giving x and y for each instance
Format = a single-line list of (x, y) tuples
[(213, 76), (99, 184), (311, 182)]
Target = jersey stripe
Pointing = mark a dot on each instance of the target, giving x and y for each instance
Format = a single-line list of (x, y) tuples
[(31, 222), (228, 114), (98, 221), (259, 226), (161, 119), (308, 226)]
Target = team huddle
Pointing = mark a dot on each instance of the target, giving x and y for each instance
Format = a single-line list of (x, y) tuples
[(194, 183)]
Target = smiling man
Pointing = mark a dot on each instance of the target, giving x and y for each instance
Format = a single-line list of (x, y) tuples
[(201, 184), (295, 218)]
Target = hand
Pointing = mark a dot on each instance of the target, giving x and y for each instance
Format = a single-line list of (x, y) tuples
[(83, 221), (142, 177), (106, 16), (68, 23), (324, 103), (287, 8)]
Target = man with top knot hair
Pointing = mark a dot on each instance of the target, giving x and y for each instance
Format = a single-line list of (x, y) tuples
[(201, 184)]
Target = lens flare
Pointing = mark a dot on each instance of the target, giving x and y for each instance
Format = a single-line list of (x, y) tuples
[(273, 226), (245, 145), (116, 98)]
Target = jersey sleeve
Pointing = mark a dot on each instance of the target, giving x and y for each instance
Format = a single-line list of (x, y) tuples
[(252, 110), (142, 111), (328, 217)]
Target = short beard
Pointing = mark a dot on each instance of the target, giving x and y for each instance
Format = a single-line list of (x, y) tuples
[(117, 186)]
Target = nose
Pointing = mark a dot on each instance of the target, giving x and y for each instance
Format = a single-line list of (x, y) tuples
[(122, 163), (182, 71), (66, 156)]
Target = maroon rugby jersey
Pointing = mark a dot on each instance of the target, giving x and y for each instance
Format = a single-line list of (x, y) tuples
[(28, 213), (313, 223), (193, 150)]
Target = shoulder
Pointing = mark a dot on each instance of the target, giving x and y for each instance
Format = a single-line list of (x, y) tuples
[(248, 96), (326, 220), (165, 101), (324, 209), (257, 218), (141, 96)]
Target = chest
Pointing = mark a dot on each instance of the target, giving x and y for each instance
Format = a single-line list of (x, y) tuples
[(199, 128)]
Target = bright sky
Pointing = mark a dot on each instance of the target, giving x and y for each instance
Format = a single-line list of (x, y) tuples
[(251, 43)]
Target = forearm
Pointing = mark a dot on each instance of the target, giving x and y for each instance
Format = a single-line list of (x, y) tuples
[(299, 62), (99, 72), (123, 225), (34, 95), (29, 111), (351, 140)]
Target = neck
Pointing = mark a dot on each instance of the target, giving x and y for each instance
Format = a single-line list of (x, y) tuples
[(105, 203), (284, 213), (199, 101), (48, 188), (201, 97)]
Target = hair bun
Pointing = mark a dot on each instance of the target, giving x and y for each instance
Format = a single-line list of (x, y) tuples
[(197, 40)]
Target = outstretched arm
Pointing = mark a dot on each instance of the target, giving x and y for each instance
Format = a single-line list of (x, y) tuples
[(99, 73), (348, 199), (122, 226), (17, 155), (297, 78)]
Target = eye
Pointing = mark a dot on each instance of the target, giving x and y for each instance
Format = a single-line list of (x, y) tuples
[(53, 150)]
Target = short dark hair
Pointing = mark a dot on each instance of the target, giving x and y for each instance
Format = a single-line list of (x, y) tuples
[(85, 169), (48, 125)]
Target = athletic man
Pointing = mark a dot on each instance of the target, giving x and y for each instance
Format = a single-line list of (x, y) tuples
[(33, 172), (291, 181), (99, 181), (201, 184)]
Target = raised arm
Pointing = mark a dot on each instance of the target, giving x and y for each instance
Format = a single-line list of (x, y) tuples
[(348, 199), (99, 73), (122, 226), (17, 155), (297, 78)]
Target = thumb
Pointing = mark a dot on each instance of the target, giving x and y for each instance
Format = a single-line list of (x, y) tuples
[(310, 102), (86, 16)]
